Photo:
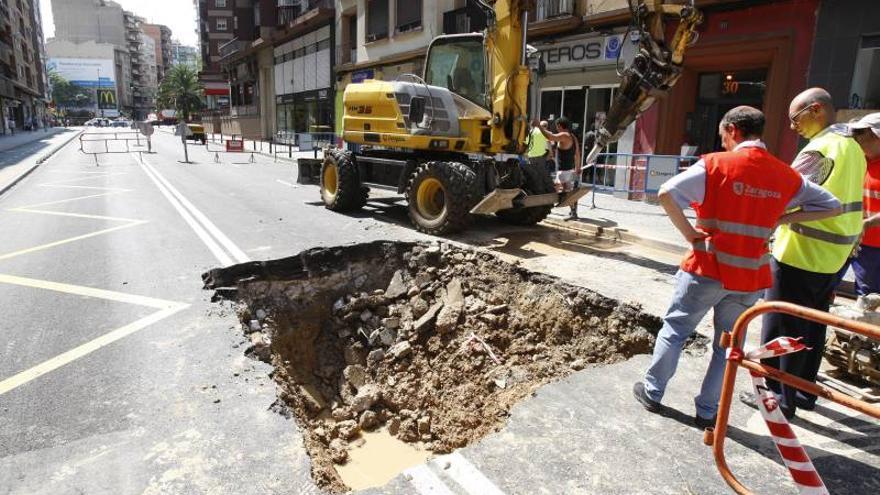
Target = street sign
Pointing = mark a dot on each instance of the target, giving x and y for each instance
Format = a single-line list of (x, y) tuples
[(183, 131), (146, 128)]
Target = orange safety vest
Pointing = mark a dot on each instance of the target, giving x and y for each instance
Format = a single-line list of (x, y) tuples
[(746, 192), (871, 202)]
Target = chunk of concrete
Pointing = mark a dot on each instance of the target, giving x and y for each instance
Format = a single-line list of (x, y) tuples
[(367, 396), (426, 319), (453, 306), (400, 350), (397, 287)]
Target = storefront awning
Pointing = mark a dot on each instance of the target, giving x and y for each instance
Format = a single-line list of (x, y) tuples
[(216, 91)]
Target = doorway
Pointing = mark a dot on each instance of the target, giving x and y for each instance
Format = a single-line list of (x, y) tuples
[(717, 93)]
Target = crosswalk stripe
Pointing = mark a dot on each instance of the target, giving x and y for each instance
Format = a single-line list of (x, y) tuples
[(466, 475), (426, 482)]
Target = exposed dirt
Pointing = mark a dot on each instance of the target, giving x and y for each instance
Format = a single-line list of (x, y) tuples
[(435, 342)]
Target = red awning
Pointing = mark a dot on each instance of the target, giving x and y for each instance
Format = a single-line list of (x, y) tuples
[(216, 91)]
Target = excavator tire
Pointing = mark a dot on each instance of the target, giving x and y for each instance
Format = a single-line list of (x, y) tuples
[(440, 196), (537, 181), (341, 188)]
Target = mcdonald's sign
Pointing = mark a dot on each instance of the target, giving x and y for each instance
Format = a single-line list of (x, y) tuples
[(106, 99)]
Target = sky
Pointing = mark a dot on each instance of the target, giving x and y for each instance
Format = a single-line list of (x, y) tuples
[(179, 15)]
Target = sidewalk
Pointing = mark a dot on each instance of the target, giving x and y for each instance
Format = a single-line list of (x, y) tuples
[(10, 141), (629, 220), (24, 152)]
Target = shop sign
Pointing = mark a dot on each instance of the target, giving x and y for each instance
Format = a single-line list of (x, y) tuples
[(584, 52), (360, 76)]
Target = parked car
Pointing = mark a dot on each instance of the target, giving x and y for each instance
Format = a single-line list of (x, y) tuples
[(121, 123)]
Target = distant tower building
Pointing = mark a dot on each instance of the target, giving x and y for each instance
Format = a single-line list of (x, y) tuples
[(161, 36)]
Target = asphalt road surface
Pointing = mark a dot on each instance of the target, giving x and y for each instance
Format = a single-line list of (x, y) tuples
[(118, 375)]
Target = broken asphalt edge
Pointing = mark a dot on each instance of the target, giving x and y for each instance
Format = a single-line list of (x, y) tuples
[(621, 234), (42, 159)]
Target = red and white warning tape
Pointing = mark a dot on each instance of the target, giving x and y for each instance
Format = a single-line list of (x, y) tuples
[(793, 454)]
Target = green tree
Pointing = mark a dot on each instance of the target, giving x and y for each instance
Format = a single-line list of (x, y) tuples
[(181, 91), (68, 95)]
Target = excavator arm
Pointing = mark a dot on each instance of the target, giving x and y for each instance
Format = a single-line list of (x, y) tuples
[(654, 69)]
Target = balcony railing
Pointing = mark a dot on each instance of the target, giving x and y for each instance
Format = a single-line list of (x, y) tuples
[(290, 10), (231, 47), (550, 9)]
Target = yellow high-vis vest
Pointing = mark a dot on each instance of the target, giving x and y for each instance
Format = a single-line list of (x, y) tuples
[(538, 144), (823, 246)]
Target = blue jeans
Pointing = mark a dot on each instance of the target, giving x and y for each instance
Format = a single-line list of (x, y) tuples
[(694, 297)]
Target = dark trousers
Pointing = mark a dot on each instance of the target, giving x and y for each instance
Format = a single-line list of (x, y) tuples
[(810, 289)]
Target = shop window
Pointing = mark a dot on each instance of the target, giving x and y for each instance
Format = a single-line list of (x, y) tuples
[(377, 20), (221, 24), (409, 15), (863, 94)]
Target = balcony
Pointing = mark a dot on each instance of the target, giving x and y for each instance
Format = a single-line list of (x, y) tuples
[(552, 17), (230, 48), (290, 11)]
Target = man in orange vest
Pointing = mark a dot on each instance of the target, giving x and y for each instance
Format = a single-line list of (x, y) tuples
[(740, 196), (866, 264)]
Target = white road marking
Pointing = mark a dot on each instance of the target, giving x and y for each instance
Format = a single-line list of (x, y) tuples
[(466, 475), (234, 250), (72, 239), (165, 309), (286, 183), (68, 200), (215, 249), (426, 482)]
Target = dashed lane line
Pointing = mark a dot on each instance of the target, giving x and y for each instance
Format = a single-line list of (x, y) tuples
[(172, 194), (165, 309)]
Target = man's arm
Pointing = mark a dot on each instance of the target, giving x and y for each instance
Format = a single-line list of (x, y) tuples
[(676, 215), (813, 165), (813, 202), (681, 191)]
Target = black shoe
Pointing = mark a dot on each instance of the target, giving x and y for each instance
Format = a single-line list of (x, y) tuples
[(750, 400), (703, 423), (642, 396)]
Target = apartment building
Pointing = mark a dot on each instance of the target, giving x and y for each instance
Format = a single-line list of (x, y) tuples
[(23, 87), (185, 55), (216, 23), (161, 37)]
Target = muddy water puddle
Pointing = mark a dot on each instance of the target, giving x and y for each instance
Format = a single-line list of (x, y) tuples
[(378, 460), (399, 351)]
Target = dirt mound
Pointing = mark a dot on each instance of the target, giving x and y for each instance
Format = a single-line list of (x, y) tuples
[(434, 342)]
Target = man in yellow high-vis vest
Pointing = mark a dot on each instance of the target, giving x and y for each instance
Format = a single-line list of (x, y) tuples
[(807, 256)]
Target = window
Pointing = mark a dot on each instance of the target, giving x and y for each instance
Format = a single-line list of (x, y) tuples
[(409, 15), (221, 24), (377, 20), (459, 65), (220, 3)]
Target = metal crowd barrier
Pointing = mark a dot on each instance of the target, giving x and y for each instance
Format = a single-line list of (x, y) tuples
[(233, 145), (120, 137), (794, 459), (301, 142), (655, 170)]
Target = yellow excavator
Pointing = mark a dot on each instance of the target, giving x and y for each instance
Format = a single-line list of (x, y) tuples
[(452, 139)]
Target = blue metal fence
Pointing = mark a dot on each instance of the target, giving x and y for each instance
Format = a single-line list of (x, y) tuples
[(649, 170)]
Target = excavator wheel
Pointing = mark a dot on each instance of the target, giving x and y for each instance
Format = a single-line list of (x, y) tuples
[(440, 196), (341, 188), (537, 181)]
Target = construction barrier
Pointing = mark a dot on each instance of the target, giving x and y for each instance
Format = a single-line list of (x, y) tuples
[(128, 142), (642, 173), (232, 145), (793, 454)]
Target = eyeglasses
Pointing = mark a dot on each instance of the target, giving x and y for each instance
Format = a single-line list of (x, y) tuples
[(793, 118)]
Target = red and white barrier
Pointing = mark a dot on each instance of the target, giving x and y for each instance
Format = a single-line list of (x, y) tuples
[(793, 454)]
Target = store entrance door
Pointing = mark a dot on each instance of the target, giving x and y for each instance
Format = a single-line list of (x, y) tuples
[(719, 92)]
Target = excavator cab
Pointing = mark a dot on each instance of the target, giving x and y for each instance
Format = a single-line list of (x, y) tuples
[(458, 63)]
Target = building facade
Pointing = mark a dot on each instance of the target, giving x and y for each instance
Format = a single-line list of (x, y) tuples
[(846, 55), (23, 88), (161, 37), (97, 71), (216, 24), (184, 55)]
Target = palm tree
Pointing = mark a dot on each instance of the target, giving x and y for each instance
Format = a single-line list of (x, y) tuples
[(181, 90)]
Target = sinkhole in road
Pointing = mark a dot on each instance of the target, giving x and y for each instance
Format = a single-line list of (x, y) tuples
[(425, 344)]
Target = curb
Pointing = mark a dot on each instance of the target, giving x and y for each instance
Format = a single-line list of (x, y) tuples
[(616, 233), (39, 162)]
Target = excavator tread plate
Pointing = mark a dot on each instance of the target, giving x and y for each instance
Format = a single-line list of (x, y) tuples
[(499, 199), (571, 198)]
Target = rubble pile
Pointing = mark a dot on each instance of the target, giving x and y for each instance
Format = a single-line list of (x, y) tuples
[(436, 348)]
